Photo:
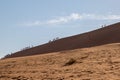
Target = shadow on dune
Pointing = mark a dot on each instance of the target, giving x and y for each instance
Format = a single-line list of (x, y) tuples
[(105, 35)]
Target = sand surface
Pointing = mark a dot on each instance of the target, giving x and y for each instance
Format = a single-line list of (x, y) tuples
[(95, 63)]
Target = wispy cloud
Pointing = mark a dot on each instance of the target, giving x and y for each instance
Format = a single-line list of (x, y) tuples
[(100, 17), (65, 19), (73, 17), (58, 20)]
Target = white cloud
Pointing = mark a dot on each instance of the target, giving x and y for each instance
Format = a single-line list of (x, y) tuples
[(35, 23), (65, 19), (100, 17), (73, 17), (113, 17), (59, 20)]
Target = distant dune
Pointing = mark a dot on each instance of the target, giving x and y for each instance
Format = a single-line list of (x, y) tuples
[(105, 35), (95, 63)]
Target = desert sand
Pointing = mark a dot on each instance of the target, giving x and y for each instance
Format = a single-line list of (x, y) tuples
[(94, 63)]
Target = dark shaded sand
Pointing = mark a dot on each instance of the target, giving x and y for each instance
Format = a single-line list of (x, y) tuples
[(105, 35)]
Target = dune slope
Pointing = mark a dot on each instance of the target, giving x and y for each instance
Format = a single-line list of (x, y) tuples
[(95, 63), (105, 35)]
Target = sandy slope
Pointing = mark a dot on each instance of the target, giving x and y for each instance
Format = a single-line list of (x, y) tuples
[(95, 63)]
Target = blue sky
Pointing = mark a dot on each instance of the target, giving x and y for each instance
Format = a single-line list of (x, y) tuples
[(34, 22)]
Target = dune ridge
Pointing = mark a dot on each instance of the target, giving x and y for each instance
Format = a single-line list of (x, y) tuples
[(106, 35)]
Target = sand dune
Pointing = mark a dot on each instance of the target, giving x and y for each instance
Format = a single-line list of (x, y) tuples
[(105, 35), (94, 63)]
